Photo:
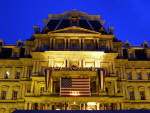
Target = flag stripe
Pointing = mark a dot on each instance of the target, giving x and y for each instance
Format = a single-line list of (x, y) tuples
[(75, 87)]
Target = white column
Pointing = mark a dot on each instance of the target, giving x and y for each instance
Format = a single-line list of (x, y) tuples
[(26, 106), (98, 105), (68, 43), (30, 106), (53, 43)]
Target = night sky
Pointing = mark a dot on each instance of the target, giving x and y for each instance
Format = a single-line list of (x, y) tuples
[(131, 18)]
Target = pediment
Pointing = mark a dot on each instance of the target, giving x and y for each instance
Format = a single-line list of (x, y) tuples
[(74, 29)]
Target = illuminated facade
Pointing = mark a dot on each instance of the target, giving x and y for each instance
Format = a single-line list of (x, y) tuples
[(74, 45)]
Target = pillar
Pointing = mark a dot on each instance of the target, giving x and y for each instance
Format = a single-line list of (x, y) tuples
[(68, 43), (83, 44), (79, 43), (50, 43), (147, 91), (65, 43), (98, 106), (98, 43), (54, 43), (136, 94), (25, 71), (118, 106), (30, 106), (26, 106)]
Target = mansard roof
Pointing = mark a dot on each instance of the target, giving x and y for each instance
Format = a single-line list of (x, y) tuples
[(73, 18)]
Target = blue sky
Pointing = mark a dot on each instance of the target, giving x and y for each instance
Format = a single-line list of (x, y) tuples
[(129, 17)]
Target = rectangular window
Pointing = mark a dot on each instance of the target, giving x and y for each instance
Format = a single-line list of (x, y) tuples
[(15, 94), (148, 76), (130, 55), (88, 46), (74, 46), (129, 76), (142, 94), (131, 95), (17, 75), (41, 89), (46, 47), (102, 48), (3, 95), (60, 46), (15, 54), (139, 76), (7, 75)]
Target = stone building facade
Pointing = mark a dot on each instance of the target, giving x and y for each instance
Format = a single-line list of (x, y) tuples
[(74, 45)]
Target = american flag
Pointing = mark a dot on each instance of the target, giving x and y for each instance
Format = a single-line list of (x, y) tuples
[(75, 87)]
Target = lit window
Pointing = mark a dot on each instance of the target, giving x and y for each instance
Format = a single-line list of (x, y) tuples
[(15, 94), (129, 76), (7, 75), (142, 94), (17, 75), (131, 95), (139, 77), (3, 95)]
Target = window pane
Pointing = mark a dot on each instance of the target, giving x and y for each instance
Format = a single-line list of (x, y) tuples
[(139, 76), (15, 94), (148, 76), (17, 75), (142, 94), (129, 76), (3, 95), (7, 75), (131, 94)]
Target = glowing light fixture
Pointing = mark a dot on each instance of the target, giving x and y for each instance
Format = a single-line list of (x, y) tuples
[(57, 109), (75, 93), (74, 102), (91, 103)]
